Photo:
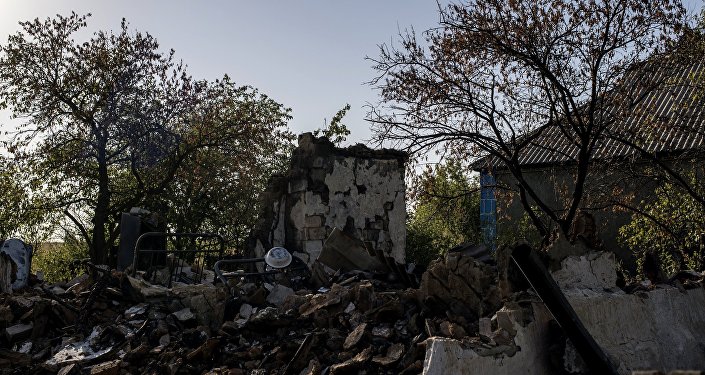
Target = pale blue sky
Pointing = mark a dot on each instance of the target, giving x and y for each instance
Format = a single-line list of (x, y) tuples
[(308, 54)]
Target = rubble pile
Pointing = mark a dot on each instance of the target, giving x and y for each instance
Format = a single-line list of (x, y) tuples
[(107, 322)]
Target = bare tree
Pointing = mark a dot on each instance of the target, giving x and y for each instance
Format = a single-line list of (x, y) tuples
[(506, 79)]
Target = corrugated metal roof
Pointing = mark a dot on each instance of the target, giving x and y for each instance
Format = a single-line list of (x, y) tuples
[(668, 116)]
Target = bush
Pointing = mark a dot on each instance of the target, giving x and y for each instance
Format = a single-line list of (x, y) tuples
[(671, 228), (54, 259), (447, 213)]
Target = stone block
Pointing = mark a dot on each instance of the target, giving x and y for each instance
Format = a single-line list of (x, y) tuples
[(313, 221), (594, 270), (316, 233), (18, 332), (278, 294)]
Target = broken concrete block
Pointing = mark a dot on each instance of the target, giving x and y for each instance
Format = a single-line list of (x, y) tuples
[(382, 331), (594, 270), (184, 315), (460, 283), (246, 311), (345, 253), (18, 332), (278, 294), (659, 329), (21, 255), (450, 356)]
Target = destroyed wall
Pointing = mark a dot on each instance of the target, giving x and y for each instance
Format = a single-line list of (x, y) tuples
[(659, 327), (356, 189)]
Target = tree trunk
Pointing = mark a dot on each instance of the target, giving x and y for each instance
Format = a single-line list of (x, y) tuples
[(98, 249)]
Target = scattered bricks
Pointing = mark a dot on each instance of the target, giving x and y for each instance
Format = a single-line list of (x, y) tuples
[(363, 295), (352, 365), (107, 368), (394, 354), (355, 336), (382, 331)]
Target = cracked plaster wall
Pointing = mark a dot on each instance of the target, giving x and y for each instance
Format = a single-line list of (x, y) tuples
[(356, 189), (662, 329)]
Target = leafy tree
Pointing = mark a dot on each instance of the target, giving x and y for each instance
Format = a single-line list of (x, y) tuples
[(17, 214), (498, 76), (335, 130), (217, 189), (446, 212), (112, 121), (672, 227)]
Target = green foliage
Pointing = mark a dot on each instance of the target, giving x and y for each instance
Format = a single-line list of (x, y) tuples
[(112, 122), (447, 212), (335, 130), (672, 227), (510, 232), (19, 216), (54, 259)]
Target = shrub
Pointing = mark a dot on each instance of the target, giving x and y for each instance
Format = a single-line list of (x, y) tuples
[(671, 227), (54, 259)]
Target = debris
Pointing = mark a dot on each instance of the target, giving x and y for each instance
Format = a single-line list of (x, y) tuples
[(21, 255), (114, 323), (18, 332), (278, 294), (344, 253), (107, 368)]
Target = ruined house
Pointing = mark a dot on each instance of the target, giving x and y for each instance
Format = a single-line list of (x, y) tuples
[(358, 190)]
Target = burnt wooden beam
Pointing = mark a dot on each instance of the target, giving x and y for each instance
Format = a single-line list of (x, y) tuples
[(541, 280)]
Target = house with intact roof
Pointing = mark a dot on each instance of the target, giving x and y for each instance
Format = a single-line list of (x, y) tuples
[(654, 124)]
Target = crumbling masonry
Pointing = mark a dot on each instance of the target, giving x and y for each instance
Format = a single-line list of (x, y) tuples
[(356, 189)]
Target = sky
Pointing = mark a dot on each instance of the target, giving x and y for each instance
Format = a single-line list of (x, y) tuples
[(308, 55)]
